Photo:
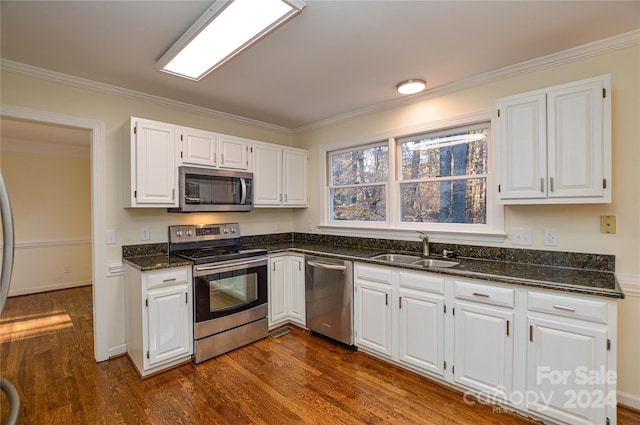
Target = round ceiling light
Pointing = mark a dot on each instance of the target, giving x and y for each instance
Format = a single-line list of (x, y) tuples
[(411, 86)]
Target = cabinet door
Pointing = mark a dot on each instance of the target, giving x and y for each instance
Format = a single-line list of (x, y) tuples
[(296, 284), (560, 357), (483, 348), (294, 178), (169, 323), (155, 165), (373, 327), (233, 153), (522, 148), (277, 289), (421, 334), (575, 141), (267, 175), (199, 147)]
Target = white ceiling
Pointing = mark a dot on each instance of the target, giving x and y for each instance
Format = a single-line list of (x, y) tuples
[(334, 58)]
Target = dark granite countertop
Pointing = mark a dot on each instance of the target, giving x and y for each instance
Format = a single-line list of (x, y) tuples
[(156, 262), (569, 279), (591, 282)]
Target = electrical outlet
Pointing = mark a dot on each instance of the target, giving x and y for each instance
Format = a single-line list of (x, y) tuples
[(521, 236), (309, 226), (145, 234), (550, 237), (67, 269), (278, 226)]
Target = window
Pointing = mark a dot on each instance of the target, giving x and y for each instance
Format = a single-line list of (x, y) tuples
[(358, 183), (443, 176), (437, 179)]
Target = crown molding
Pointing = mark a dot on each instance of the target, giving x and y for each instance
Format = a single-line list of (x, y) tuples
[(577, 53), (83, 83), (571, 55)]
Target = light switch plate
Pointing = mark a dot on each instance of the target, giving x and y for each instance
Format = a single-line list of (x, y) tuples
[(521, 236), (145, 234), (608, 224), (110, 236)]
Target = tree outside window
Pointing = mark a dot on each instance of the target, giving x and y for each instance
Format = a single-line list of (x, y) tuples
[(444, 177), (358, 186)]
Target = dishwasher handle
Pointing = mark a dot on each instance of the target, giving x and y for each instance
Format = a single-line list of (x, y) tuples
[(326, 266)]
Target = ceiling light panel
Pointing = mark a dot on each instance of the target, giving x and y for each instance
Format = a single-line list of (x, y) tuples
[(224, 30)]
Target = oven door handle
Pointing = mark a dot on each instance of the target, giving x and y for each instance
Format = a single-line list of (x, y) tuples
[(243, 263), (243, 187), (326, 266)]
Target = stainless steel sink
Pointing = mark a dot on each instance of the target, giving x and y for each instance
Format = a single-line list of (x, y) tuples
[(396, 258), (435, 263)]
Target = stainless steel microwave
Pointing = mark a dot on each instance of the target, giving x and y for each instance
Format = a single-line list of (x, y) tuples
[(208, 190)]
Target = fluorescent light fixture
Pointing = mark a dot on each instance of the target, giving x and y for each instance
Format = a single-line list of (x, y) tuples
[(224, 30), (411, 86)]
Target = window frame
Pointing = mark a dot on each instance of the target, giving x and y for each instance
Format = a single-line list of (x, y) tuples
[(398, 181), (492, 231), (329, 186)]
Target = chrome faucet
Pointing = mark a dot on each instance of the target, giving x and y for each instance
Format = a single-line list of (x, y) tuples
[(425, 243)]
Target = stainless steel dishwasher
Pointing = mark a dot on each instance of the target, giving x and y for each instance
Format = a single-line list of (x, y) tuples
[(329, 298)]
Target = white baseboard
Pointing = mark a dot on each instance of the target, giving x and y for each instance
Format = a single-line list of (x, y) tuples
[(629, 400), (118, 350), (55, 287)]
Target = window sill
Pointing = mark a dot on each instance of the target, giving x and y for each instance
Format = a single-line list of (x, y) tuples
[(371, 230)]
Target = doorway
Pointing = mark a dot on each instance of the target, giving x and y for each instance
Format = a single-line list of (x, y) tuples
[(97, 160)]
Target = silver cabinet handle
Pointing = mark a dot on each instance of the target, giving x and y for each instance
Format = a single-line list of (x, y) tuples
[(542, 184), (551, 184), (173, 279), (478, 294), (326, 266), (561, 307)]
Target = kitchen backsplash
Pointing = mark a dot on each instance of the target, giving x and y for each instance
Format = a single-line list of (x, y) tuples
[(599, 262)]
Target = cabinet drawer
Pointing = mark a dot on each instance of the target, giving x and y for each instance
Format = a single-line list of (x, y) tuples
[(422, 282), (167, 277), (568, 306), (375, 274), (486, 294)]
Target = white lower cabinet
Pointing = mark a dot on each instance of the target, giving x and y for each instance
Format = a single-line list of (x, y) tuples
[(373, 322), (159, 318), (547, 353), (483, 348), (286, 289), (421, 323), (400, 315), (569, 359)]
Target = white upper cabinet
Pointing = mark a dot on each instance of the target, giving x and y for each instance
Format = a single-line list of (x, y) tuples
[(150, 172), (554, 145), (294, 177), (234, 152), (199, 147), (280, 176), (208, 149)]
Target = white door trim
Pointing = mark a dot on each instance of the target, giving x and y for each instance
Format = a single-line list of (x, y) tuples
[(97, 127)]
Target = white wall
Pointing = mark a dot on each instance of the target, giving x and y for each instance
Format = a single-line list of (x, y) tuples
[(578, 226), (50, 198)]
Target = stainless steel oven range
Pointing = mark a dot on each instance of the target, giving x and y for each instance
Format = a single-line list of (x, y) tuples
[(229, 286)]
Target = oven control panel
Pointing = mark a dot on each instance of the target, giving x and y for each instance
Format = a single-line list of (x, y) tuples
[(203, 232)]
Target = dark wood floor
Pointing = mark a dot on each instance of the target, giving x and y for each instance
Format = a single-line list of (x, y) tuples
[(46, 350)]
